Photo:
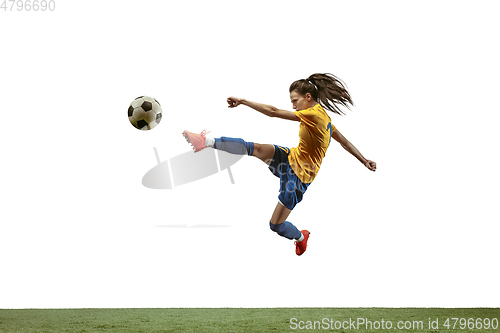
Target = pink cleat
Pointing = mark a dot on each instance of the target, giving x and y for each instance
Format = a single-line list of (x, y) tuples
[(196, 140)]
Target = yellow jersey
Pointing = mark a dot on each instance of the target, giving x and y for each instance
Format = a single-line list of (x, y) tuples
[(315, 133)]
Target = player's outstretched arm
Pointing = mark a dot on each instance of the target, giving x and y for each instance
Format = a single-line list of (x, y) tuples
[(353, 150), (268, 110)]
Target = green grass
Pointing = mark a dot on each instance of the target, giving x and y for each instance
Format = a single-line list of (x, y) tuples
[(231, 320)]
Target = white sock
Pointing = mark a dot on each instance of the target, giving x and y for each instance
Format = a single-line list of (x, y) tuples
[(209, 142), (301, 238)]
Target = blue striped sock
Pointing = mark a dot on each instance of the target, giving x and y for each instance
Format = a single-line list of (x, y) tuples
[(234, 146), (286, 229)]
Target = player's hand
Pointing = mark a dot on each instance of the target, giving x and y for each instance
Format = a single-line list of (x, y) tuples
[(234, 102), (371, 165)]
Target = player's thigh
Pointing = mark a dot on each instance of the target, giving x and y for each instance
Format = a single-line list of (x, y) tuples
[(264, 152), (280, 214)]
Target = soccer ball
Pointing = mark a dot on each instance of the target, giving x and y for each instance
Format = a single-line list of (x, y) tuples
[(144, 113)]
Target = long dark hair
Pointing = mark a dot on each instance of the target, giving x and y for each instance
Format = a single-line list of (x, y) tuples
[(326, 89)]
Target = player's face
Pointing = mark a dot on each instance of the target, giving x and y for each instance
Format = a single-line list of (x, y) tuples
[(300, 102)]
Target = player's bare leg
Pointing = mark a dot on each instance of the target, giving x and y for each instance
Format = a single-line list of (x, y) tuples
[(280, 214), (264, 152)]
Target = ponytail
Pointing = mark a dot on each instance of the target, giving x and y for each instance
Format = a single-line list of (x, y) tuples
[(326, 89)]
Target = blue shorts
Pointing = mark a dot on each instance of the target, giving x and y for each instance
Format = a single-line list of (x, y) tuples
[(291, 187)]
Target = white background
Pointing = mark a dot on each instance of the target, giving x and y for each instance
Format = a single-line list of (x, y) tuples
[(78, 229)]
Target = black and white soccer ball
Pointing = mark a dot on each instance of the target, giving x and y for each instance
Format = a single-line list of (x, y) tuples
[(144, 113)]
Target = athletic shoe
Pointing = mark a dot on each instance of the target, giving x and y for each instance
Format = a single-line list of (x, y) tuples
[(300, 247), (196, 140)]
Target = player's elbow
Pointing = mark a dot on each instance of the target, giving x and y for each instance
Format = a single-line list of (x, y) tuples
[(271, 111)]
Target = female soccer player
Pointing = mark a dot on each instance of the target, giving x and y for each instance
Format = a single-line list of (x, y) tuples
[(296, 167)]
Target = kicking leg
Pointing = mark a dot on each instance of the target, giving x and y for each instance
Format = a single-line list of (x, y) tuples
[(264, 152)]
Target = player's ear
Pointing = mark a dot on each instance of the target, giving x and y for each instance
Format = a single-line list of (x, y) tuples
[(308, 97)]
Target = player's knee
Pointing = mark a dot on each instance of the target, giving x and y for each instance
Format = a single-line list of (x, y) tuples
[(276, 227), (257, 150)]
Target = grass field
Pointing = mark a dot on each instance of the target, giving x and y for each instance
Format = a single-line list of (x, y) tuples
[(252, 320)]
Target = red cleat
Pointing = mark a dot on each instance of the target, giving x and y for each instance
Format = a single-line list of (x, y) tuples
[(300, 247)]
